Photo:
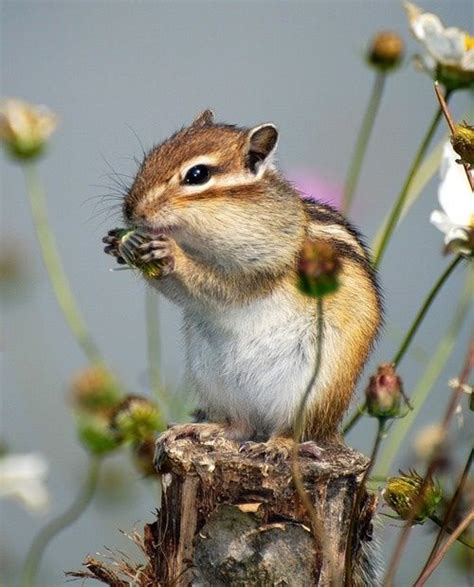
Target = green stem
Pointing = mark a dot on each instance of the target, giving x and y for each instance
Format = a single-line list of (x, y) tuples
[(400, 428), (444, 524), (410, 334), (400, 203), (424, 308), (44, 537), (363, 140), (54, 268), (358, 500), (153, 341)]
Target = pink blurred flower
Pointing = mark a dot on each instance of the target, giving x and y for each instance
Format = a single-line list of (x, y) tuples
[(313, 186)]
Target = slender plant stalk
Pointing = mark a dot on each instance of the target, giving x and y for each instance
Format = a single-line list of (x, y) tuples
[(54, 268), (444, 549), (424, 309), (153, 342), (363, 140), (358, 500), (450, 410), (411, 333), (44, 537), (444, 528), (452, 128), (317, 524), (400, 202)]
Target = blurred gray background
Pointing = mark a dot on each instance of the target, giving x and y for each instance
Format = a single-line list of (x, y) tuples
[(109, 67)]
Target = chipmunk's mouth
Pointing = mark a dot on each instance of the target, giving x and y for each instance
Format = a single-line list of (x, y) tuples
[(154, 230)]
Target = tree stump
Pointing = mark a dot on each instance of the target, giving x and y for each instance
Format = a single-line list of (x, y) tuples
[(232, 518)]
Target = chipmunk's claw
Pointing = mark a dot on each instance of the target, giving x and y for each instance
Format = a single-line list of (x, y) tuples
[(280, 449)]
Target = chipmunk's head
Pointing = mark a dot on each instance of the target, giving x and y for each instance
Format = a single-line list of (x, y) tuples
[(214, 188)]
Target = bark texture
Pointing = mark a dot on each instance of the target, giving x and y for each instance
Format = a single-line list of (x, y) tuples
[(233, 517)]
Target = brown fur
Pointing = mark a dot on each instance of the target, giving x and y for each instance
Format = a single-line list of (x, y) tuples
[(234, 244)]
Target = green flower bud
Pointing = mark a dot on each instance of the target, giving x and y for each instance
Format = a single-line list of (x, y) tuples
[(138, 420), (24, 128), (151, 270), (386, 51), (402, 495), (318, 269), (96, 435), (384, 393)]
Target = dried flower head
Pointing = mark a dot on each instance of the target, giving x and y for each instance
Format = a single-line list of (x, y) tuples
[(137, 420), (449, 55), (25, 128), (386, 51), (96, 391), (384, 393), (402, 494), (318, 269), (143, 455), (463, 143)]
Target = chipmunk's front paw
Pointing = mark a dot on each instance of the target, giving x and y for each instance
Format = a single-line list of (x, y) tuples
[(112, 240), (158, 250), (278, 449)]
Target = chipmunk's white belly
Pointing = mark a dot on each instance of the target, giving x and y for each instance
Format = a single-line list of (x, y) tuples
[(252, 364)]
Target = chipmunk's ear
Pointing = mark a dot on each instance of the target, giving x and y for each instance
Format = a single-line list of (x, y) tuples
[(261, 144), (204, 119)]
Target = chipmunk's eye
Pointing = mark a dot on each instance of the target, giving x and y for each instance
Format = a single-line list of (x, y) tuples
[(197, 175)]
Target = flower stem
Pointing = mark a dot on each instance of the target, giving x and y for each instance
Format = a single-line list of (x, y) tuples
[(443, 528), (54, 268), (456, 533), (400, 202), (316, 522), (430, 470), (400, 428), (363, 140), (153, 341), (410, 334), (44, 537), (424, 308), (359, 495)]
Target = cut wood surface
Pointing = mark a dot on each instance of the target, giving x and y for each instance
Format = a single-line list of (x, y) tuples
[(232, 516)]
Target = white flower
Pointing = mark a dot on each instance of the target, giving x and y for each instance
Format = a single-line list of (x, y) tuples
[(22, 477), (450, 51), (456, 198), (25, 128)]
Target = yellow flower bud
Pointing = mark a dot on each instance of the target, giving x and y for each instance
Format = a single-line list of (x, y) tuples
[(138, 420), (386, 51), (402, 495), (463, 142), (24, 128)]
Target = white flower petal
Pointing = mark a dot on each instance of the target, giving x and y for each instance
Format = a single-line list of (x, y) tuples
[(467, 61), (22, 477), (454, 192), (446, 46), (441, 221)]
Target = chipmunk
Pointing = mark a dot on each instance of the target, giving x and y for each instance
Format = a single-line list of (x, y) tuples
[(227, 231)]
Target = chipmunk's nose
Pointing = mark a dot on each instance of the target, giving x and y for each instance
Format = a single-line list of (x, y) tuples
[(132, 212)]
